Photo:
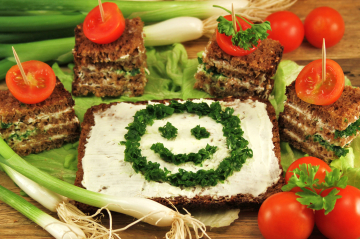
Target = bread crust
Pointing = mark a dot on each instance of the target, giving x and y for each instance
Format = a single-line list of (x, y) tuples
[(240, 200)]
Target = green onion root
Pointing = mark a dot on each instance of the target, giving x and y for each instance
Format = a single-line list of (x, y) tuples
[(56, 228), (149, 211)]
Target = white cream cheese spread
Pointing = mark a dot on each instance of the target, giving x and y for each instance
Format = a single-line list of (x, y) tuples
[(106, 171)]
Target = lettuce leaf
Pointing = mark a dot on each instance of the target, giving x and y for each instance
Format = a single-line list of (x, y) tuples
[(286, 73), (172, 76)]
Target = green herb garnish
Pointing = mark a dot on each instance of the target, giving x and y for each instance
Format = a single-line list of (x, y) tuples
[(200, 132), (245, 39), (304, 178), (338, 151), (352, 129), (168, 131), (239, 151), (5, 125), (198, 158)]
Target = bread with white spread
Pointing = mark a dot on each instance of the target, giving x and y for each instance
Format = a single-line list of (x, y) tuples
[(102, 166)]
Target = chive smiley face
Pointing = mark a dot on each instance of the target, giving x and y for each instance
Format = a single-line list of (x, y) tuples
[(232, 132)]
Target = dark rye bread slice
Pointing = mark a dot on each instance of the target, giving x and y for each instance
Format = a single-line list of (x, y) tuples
[(224, 87), (240, 200), (41, 122), (301, 120), (130, 43), (110, 83)]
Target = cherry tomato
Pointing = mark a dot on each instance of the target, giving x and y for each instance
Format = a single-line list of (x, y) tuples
[(225, 43), (286, 28), (41, 79), (104, 32), (282, 216), (324, 22), (344, 220), (310, 88), (308, 160)]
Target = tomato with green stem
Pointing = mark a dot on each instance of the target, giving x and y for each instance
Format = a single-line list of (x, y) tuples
[(286, 28), (312, 89), (41, 79), (107, 31), (344, 220), (226, 44), (320, 174), (281, 214)]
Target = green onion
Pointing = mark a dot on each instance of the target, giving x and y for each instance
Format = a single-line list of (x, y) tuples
[(5, 65), (149, 11), (31, 13), (45, 197), (21, 37), (56, 228), (178, 29), (146, 209), (41, 50), (39, 23)]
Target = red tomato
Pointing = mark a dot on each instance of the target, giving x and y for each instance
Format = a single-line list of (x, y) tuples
[(41, 79), (310, 88), (225, 43), (282, 216), (286, 28), (324, 22), (104, 32), (308, 160), (344, 220)]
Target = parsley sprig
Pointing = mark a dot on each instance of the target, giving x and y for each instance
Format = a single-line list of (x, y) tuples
[(245, 39), (304, 178)]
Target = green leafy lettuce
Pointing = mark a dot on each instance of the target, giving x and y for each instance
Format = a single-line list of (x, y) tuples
[(172, 76)]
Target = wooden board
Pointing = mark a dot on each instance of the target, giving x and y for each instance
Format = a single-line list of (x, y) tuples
[(14, 225)]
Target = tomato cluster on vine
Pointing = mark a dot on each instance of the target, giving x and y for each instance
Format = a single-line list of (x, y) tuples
[(283, 216)]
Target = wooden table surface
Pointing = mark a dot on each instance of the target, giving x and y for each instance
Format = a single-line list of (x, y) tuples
[(347, 53)]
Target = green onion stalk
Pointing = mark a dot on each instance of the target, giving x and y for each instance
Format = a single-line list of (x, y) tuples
[(149, 11), (145, 209), (18, 24), (56, 228), (46, 50)]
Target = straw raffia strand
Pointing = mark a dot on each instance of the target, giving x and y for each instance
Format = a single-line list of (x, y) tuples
[(256, 10)]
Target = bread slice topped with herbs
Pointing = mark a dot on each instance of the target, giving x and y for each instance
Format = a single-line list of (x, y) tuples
[(323, 131), (197, 153)]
